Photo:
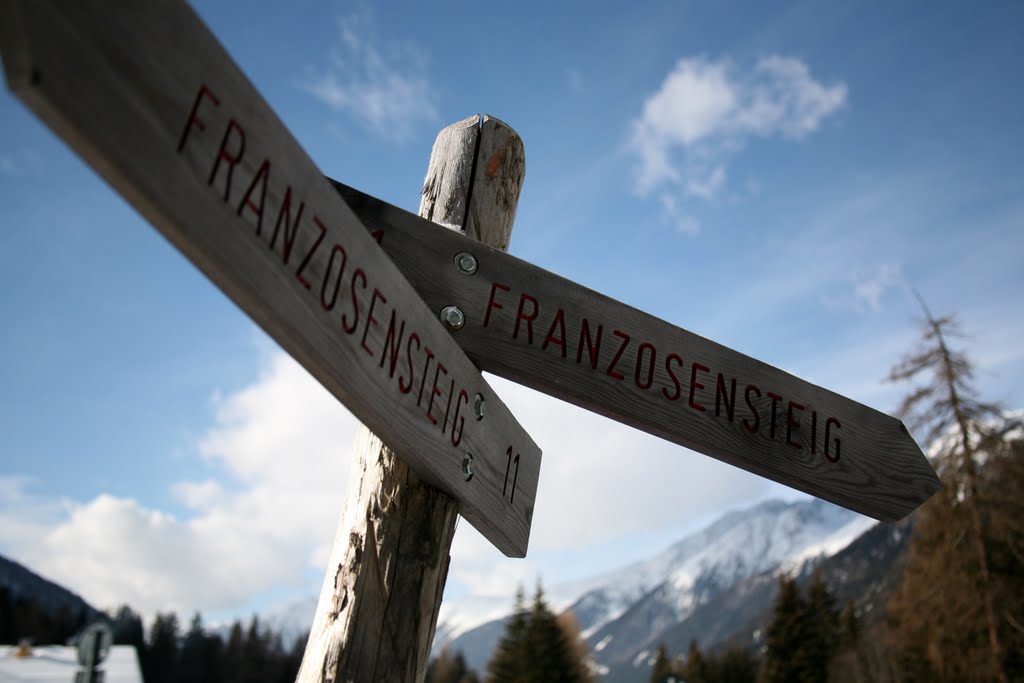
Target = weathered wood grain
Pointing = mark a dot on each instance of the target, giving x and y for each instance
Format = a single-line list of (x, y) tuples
[(655, 376), (148, 97), (378, 606)]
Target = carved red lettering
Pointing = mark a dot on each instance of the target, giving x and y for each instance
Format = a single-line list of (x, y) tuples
[(675, 380), (413, 337), (814, 432), (792, 423), (291, 229), (426, 369), (527, 317), (193, 115), (345, 325), (752, 427), (459, 419), (775, 402), (638, 370), (393, 341), (370, 320), (695, 385), (558, 324), (593, 346), (611, 371), (335, 250), (435, 390), (828, 428), (309, 256), (448, 406), (491, 303), (722, 395), (232, 159), (261, 177)]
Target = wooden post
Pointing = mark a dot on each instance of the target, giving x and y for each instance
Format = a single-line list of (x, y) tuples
[(378, 607)]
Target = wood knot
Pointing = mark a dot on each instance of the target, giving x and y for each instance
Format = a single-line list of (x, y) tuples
[(494, 163)]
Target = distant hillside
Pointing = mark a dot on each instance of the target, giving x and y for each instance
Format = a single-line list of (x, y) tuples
[(624, 615), (865, 572), (52, 599)]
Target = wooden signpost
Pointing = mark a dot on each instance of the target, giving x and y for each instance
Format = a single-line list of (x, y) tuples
[(146, 95), (549, 333), (149, 98)]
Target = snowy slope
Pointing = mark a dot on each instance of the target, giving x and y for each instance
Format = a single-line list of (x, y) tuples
[(620, 611)]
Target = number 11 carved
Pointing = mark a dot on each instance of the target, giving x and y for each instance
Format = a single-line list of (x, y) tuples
[(515, 477)]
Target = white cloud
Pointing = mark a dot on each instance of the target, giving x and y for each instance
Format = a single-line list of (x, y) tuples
[(284, 443), (383, 85), (286, 446), (864, 290), (198, 495), (704, 112), (869, 289), (682, 221)]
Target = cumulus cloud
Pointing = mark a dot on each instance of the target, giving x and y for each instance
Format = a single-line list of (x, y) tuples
[(282, 447), (705, 111), (382, 85)]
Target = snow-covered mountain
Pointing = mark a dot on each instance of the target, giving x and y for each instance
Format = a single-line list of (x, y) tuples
[(623, 612)]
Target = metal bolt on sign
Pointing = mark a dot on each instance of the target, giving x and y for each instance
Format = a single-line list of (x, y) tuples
[(453, 317), (478, 406), (467, 466), (466, 262)]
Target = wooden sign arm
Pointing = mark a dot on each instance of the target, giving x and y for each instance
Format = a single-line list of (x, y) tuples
[(557, 336)]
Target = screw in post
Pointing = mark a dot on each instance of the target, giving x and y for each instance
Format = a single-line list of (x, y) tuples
[(453, 317), (465, 262), (478, 406), (467, 466)]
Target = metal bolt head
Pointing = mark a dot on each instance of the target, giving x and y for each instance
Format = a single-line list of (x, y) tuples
[(478, 406), (467, 466), (453, 317), (465, 262)]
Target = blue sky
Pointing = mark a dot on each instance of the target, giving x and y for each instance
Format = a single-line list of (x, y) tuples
[(774, 177)]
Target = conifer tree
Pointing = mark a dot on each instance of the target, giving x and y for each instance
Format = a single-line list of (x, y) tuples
[(662, 665), (947, 615), (785, 636), (550, 650), (735, 665), (234, 654), (161, 662), (849, 627), (192, 651), (696, 668), (509, 662), (449, 668), (257, 652), (576, 647), (820, 625), (127, 627), (538, 648)]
